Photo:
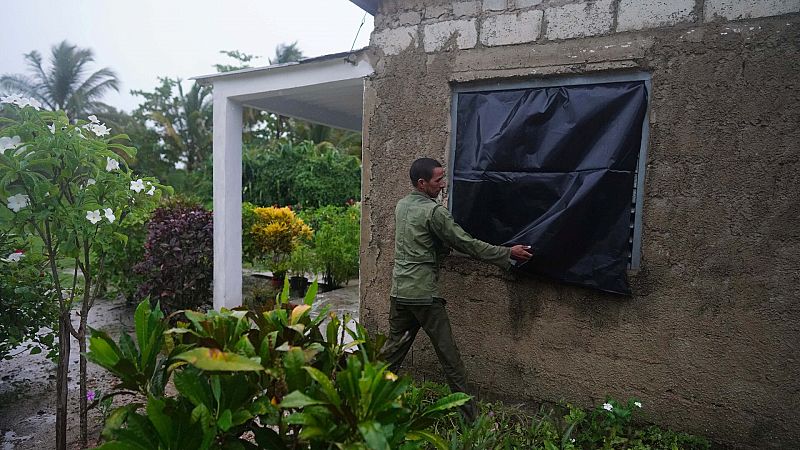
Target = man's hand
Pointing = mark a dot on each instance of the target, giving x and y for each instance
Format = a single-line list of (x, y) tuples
[(521, 252)]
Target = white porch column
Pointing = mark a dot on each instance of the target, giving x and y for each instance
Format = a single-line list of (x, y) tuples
[(227, 148)]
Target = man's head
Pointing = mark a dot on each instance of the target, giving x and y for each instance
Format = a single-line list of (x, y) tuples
[(427, 176)]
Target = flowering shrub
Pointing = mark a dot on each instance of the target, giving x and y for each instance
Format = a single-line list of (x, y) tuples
[(178, 265), (28, 302), (275, 233), (65, 186)]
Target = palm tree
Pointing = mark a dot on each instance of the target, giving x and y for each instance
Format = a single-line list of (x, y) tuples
[(285, 53), (63, 85)]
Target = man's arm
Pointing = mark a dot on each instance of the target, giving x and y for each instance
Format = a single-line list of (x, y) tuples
[(453, 235)]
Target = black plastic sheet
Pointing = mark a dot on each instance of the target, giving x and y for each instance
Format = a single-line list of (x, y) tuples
[(553, 168)]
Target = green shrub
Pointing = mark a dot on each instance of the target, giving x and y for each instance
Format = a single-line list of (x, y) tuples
[(300, 174), (336, 241), (271, 377), (122, 255), (30, 311)]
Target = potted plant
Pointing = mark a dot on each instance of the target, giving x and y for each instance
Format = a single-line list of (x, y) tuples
[(301, 264), (276, 233)]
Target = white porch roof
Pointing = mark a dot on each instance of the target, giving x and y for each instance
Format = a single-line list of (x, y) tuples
[(327, 90)]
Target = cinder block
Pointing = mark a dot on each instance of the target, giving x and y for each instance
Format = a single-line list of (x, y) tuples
[(508, 29), (642, 14), (466, 9), (395, 40), (527, 3), (495, 5), (410, 18), (745, 9), (435, 12), (437, 34), (579, 19)]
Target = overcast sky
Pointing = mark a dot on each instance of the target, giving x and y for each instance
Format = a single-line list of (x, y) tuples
[(144, 39)]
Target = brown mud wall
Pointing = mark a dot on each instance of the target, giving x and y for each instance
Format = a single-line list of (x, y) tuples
[(710, 341)]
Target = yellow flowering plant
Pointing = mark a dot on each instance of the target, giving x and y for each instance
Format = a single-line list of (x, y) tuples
[(275, 233)]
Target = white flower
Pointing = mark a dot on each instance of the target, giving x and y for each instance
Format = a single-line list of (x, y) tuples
[(90, 182), (9, 142), (608, 406), (100, 130), (137, 186), (93, 216), (52, 128), (12, 99), (110, 215), (93, 119), (111, 164), (152, 189), (638, 404), (23, 102), (572, 440), (13, 257), (18, 201)]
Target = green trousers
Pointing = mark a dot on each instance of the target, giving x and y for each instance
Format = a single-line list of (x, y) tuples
[(404, 323)]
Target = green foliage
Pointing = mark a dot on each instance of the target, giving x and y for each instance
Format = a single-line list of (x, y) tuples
[(30, 312), (336, 241), (271, 375), (300, 174), (138, 365), (125, 254), (564, 427)]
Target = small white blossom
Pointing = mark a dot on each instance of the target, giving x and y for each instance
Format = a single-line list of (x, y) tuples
[(111, 164), (110, 215), (13, 257), (638, 404), (137, 186), (572, 440), (16, 99), (100, 130), (11, 99), (90, 182), (93, 119), (152, 189), (608, 406), (18, 201), (52, 128), (9, 142), (93, 216)]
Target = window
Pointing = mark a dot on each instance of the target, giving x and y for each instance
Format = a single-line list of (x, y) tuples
[(557, 164)]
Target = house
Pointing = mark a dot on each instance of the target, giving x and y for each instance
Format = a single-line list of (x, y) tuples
[(707, 338)]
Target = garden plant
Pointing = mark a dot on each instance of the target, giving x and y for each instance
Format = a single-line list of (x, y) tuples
[(65, 188)]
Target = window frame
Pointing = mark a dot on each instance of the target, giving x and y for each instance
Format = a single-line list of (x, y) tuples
[(635, 242)]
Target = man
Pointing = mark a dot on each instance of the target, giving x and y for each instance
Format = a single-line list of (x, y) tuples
[(424, 233)]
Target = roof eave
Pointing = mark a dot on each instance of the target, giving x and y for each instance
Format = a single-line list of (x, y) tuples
[(370, 6)]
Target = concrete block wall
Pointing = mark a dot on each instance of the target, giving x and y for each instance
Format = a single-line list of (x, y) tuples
[(709, 339), (508, 22)]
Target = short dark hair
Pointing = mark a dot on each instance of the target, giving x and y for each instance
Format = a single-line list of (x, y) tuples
[(422, 168)]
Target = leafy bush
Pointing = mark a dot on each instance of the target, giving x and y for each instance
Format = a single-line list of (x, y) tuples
[(607, 426), (30, 311), (300, 174), (336, 241), (271, 377), (178, 256), (275, 233), (121, 255)]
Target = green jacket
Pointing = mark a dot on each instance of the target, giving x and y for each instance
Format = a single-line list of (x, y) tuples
[(424, 233)]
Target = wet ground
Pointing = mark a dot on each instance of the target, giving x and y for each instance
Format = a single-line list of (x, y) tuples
[(27, 382)]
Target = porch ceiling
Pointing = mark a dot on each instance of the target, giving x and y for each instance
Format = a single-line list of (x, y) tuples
[(326, 90)]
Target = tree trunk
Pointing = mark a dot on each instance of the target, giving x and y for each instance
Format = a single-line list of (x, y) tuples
[(83, 390), (62, 389)]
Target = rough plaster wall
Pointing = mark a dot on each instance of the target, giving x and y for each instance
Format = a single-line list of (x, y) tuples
[(709, 341)]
